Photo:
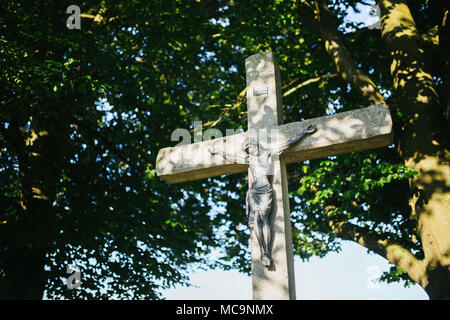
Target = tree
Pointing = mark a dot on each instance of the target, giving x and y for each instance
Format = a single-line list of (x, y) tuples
[(84, 113), (418, 244), (78, 181)]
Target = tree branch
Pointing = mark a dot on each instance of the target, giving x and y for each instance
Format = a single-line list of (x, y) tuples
[(227, 107), (309, 81), (383, 246), (324, 23), (431, 36)]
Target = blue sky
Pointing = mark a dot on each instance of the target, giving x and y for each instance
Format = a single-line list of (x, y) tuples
[(348, 274), (339, 276)]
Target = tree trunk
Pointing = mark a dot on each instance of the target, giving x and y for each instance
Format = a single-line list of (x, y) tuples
[(421, 142), (24, 260), (27, 234)]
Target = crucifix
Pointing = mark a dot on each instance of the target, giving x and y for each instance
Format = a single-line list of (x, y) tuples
[(265, 157)]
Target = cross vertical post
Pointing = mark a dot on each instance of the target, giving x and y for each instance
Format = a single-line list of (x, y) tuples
[(264, 105)]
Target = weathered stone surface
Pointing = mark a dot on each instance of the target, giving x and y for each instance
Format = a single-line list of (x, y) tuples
[(359, 129), (193, 161), (264, 112)]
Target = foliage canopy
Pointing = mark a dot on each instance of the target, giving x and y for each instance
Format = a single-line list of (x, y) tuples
[(84, 112)]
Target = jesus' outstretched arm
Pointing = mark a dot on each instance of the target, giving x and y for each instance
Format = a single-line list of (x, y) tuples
[(233, 158), (284, 146)]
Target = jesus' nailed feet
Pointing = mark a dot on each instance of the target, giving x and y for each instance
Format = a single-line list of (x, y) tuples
[(266, 260)]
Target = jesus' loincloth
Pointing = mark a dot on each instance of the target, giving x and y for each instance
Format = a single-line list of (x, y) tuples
[(259, 199)]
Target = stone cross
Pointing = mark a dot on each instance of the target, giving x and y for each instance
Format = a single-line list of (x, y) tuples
[(345, 132)]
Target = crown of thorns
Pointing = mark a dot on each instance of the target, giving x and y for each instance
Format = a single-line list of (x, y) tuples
[(248, 142)]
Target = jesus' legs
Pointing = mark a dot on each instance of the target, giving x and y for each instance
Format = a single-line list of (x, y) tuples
[(259, 234), (266, 239), (262, 232)]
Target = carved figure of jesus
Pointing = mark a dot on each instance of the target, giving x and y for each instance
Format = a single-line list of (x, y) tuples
[(260, 193)]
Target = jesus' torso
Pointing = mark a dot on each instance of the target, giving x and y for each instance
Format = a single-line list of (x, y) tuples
[(260, 167)]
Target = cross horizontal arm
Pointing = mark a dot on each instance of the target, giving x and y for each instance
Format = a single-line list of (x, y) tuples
[(345, 132), (194, 161)]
